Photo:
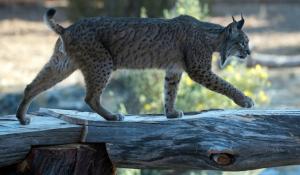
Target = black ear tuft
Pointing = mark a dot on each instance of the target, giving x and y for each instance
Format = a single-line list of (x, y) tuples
[(233, 19), (240, 24)]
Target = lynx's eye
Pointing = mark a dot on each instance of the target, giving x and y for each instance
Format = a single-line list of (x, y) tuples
[(243, 44)]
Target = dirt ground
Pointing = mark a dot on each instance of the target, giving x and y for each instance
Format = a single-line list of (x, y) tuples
[(26, 43)]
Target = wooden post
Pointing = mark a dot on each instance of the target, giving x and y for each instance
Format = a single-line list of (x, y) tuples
[(74, 159)]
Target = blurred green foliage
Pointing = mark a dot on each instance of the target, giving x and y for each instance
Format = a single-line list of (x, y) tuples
[(192, 7), (252, 81), (81, 8), (146, 90)]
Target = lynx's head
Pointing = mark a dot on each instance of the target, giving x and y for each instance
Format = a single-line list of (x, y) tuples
[(234, 41)]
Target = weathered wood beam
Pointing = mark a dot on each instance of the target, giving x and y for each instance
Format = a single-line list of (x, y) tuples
[(16, 140), (217, 140), (73, 159), (273, 61)]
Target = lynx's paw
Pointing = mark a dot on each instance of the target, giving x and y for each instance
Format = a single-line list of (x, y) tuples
[(174, 114), (24, 121), (21, 116), (245, 102), (115, 117)]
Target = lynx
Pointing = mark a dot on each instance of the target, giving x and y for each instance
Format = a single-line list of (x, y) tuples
[(98, 46)]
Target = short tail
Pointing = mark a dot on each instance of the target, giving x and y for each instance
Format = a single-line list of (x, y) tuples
[(51, 23)]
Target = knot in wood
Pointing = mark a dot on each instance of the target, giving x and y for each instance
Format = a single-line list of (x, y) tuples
[(222, 158)]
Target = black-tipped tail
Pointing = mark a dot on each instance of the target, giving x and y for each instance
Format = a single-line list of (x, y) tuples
[(51, 23), (50, 13)]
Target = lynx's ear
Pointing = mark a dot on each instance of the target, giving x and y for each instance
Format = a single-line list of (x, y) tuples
[(236, 25), (241, 22), (233, 20)]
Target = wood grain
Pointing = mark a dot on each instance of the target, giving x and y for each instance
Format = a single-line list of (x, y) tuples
[(72, 159)]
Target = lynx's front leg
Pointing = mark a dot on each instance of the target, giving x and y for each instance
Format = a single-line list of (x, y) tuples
[(213, 82), (172, 80)]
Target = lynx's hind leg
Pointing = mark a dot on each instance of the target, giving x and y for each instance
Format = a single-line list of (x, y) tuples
[(96, 72), (172, 80), (58, 68)]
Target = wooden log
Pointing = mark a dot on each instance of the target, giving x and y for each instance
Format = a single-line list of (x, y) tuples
[(273, 61), (232, 140), (16, 140), (74, 159)]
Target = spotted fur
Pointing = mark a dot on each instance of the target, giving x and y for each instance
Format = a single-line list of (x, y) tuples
[(98, 46)]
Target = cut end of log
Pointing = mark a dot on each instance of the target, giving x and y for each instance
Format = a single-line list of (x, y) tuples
[(222, 159)]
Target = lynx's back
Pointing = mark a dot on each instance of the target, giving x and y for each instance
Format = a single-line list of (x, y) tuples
[(134, 43)]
